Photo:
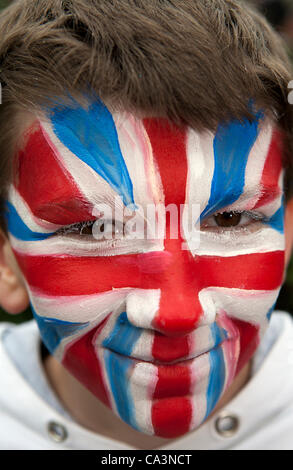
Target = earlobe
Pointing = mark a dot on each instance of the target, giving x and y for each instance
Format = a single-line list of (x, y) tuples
[(13, 294), (289, 230)]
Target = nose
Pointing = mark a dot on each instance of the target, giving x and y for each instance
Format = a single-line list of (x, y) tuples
[(171, 303), (179, 309)]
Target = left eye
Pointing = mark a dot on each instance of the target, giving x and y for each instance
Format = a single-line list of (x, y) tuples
[(230, 219)]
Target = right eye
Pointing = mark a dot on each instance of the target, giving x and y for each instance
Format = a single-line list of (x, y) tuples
[(100, 229)]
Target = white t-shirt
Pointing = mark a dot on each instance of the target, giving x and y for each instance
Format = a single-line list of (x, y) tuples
[(259, 417)]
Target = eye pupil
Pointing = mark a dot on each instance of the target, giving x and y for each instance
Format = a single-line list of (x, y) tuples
[(228, 219)]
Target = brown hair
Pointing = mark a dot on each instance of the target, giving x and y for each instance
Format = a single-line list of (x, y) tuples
[(197, 62)]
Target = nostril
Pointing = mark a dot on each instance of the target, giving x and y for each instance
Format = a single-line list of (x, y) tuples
[(176, 327)]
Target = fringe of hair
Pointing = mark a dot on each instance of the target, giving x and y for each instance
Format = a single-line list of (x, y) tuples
[(197, 62)]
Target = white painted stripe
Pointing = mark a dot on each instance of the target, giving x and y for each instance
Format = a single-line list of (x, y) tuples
[(250, 306), (138, 156), (200, 158), (143, 347), (143, 382), (255, 165), (94, 188), (73, 245), (79, 308), (199, 372), (232, 243), (142, 306), (272, 207), (30, 220)]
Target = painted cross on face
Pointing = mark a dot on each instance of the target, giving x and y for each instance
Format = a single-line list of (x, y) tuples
[(156, 331)]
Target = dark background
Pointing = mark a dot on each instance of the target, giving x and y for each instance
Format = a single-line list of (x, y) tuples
[(280, 14)]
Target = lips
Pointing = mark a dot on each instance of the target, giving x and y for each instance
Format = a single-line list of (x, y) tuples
[(124, 339)]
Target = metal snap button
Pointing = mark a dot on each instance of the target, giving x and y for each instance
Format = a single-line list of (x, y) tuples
[(57, 432), (227, 424)]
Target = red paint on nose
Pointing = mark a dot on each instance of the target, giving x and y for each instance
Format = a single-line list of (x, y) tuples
[(179, 309)]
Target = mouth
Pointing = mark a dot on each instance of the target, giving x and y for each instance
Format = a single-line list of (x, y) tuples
[(179, 362), (152, 347)]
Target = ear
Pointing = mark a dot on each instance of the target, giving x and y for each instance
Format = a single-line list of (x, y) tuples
[(13, 294), (289, 230)]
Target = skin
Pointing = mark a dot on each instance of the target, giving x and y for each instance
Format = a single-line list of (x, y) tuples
[(80, 403)]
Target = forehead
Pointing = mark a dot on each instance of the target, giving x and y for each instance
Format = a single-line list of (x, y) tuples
[(81, 157)]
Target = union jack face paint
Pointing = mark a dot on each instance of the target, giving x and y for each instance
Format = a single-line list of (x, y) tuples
[(154, 331)]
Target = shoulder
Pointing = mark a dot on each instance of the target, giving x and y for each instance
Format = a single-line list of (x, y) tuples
[(268, 398), (11, 352), (17, 399)]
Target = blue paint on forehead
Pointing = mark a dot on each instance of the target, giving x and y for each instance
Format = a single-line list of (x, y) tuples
[(232, 145), (18, 228), (92, 136)]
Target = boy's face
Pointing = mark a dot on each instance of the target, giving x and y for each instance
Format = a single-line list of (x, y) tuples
[(154, 323)]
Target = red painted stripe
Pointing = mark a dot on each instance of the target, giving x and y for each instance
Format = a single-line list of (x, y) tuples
[(173, 381), (65, 275), (81, 360), (249, 341), (272, 170), (45, 185), (168, 349), (171, 416), (179, 307)]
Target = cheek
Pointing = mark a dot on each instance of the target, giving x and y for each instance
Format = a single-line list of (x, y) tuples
[(251, 300), (76, 300), (244, 287)]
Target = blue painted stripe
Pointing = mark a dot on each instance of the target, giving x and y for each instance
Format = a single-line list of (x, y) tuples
[(118, 370), (218, 334), (217, 373), (270, 312), (123, 337), (53, 331), (92, 136), (122, 340), (277, 220), (232, 145), (18, 228)]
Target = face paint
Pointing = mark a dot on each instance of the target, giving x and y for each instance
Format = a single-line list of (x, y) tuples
[(156, 332)]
